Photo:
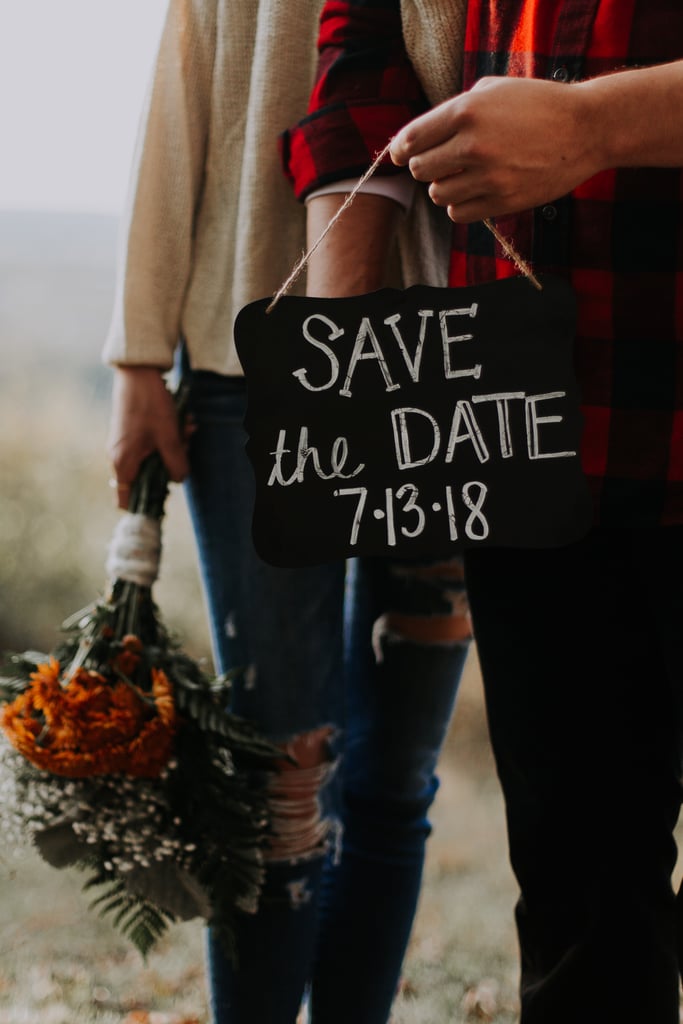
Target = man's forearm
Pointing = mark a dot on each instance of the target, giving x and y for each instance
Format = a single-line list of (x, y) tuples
[(352, 259), (637, 116)]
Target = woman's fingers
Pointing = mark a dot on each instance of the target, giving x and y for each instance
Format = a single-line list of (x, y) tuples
[(144, 420)]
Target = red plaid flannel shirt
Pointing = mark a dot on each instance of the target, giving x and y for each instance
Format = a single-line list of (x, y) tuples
[(619, 237)]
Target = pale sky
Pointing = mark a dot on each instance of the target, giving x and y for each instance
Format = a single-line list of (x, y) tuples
[(73, 76)]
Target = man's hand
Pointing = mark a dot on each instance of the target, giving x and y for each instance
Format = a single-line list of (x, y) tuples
[(143, 420), (505, 146), (512, 143)]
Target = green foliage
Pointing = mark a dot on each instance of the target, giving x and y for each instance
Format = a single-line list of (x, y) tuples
[(140, 921)]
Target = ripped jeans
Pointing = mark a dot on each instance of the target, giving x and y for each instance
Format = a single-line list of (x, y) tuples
[(356, 676)]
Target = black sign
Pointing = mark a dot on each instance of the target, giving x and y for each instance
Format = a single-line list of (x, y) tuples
[(414, 422)]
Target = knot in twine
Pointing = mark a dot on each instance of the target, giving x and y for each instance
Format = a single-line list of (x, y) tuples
[(135, 549)]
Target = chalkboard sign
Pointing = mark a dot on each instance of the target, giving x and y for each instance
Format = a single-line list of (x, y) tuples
[(413, 423)]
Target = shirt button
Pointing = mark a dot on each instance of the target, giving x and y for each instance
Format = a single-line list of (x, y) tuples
[(561, 74), (549, 212)]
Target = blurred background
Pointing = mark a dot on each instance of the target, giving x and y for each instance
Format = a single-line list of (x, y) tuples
[(73, 75), (72, 80)]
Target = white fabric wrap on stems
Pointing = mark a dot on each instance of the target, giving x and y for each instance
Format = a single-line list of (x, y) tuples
[(135, 549)]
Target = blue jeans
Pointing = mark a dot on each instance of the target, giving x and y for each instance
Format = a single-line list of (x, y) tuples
[(363, 699)]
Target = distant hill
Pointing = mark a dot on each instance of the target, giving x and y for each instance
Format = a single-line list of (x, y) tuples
[(56, 289)]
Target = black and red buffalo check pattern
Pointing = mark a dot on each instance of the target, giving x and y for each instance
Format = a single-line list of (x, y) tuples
[(619, 237)]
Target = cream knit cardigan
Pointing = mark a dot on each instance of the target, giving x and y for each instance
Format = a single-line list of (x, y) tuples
[(211, 222)]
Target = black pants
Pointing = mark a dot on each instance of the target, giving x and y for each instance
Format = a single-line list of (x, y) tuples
[(582, 656)]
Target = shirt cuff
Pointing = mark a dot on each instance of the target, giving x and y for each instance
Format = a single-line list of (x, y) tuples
[(340, 142), (400, 188)]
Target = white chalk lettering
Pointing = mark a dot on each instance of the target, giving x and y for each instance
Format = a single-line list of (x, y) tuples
[(404, 456), (362, 493), (451, 339), (308, 454), (365, 331), (475, 506), (405, 502), (414, 363), (533, 420), (389, 504), (501, 399), (411, 505), (340, 453), (450, 508), (335, 332), (463, 415)]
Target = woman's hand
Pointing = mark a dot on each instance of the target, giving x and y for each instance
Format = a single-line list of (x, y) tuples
[(143, 420)]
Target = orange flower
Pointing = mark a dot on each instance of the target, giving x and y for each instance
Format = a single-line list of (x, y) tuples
[(91, 727), (128, 659)]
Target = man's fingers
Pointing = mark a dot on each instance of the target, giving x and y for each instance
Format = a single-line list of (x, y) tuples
[(467, 213), (440, 160), (424, 133)]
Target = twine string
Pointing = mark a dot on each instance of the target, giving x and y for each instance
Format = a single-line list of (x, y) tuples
[(303, 260), (510, 251), (506, 245)]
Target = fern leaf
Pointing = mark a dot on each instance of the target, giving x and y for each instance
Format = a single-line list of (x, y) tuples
[(138, 920)]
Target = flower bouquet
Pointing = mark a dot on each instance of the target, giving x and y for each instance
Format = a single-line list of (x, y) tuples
[(117, 754)]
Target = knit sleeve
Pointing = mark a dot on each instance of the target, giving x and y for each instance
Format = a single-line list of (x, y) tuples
[(365, 90), (155, 244)]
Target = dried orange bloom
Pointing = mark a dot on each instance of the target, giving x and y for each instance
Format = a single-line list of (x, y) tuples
[(131, 642), (90, 727), (128, 659)]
